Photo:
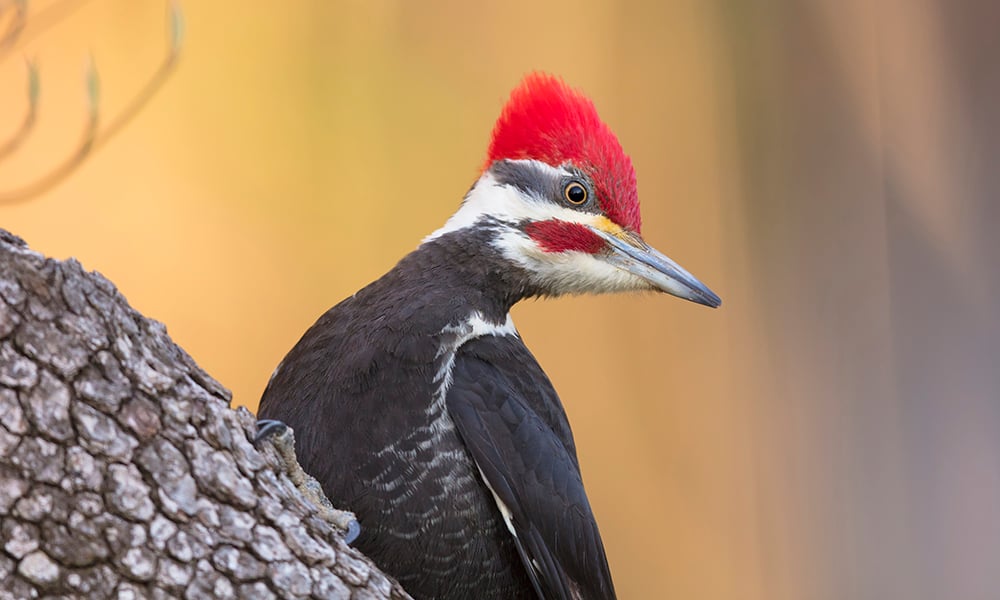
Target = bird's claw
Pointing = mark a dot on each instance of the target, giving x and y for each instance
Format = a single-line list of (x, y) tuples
[(282, 439), (353, 531), (268, 428)]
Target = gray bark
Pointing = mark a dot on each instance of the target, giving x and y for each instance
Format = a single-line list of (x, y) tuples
[(125, 473)]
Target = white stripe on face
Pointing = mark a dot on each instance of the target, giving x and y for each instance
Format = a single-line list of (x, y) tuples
[(569, 272), (506, 203)]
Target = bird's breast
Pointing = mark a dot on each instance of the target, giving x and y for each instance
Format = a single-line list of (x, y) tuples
[(429, 516), (429, 461)]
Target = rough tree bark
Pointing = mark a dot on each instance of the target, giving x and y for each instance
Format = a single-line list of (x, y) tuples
[(123, 470)]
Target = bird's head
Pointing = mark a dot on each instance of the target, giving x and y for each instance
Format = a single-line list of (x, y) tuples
[(559, 193)]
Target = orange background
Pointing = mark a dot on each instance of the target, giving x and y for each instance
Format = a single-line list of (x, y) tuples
[(829, 168)]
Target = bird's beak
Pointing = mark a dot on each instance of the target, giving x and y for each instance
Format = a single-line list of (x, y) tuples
[(629, 252)]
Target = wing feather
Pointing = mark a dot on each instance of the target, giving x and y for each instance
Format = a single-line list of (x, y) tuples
[(534, 476)]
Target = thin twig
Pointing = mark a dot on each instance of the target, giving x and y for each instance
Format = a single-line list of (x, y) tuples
[(94, 136), (13, 33), (15, 141), (22, 31)]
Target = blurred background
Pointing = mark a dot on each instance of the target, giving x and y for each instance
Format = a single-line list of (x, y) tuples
[(828, 167)]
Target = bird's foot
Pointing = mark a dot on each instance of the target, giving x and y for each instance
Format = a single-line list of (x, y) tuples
[(282, 439)]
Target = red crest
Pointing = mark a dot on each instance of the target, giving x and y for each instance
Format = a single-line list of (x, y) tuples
[(547, 120)]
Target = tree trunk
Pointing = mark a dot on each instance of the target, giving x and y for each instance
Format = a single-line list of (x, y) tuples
[(123, 471)]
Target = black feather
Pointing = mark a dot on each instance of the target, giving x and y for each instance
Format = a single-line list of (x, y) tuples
[(514, 426), (360, 391)]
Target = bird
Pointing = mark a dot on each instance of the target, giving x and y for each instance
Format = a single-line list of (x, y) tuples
[(418, 407)]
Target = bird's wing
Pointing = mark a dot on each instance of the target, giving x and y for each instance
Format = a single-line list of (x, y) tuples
[(535, 481)]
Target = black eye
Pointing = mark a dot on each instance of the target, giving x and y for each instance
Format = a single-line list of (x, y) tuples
[(575, 193)]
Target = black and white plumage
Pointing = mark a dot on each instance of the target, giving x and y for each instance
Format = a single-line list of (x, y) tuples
[(417, 406)]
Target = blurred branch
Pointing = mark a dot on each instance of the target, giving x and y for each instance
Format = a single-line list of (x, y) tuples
[(94, 135), (15, 141), (20, 32), (14, 30)]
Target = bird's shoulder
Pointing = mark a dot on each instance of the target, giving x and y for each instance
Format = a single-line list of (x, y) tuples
[(510, 359)]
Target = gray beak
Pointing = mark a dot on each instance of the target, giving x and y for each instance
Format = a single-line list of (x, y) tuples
[(630, 253)]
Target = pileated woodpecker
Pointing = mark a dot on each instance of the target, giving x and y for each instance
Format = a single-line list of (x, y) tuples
[(416, 404)]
